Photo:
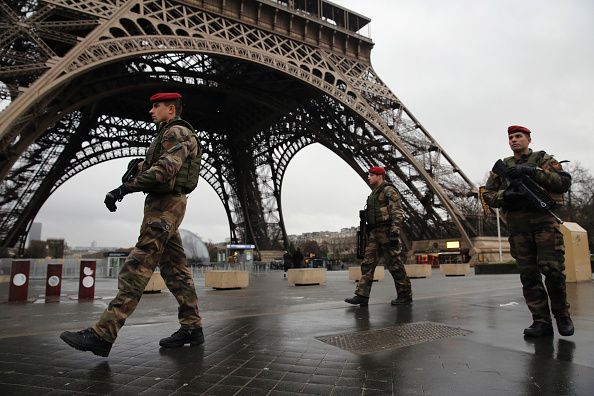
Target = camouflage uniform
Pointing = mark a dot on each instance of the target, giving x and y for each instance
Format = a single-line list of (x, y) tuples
[(159, 242), (535, 239), (384, 217)]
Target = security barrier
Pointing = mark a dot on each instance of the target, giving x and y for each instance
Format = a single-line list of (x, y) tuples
[(306, 276), (455, 269), (53, 282), (226, 279), (19, 281), (70, 267), (418, 270), (86, 282)]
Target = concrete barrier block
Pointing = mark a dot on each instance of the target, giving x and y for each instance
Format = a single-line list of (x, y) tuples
[(226, 279), (418, 270), (455, 269), (378, 274), (306, 276), (155, 284), (577, 253)]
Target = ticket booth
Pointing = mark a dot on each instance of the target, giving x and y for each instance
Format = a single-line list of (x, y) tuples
[(115, 260), (427, 258), (450, 258), (240, 254)]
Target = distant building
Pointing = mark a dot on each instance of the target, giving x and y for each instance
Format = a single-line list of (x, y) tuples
[(340, 244)]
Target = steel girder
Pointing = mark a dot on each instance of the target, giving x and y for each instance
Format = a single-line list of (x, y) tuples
[(257, 93)]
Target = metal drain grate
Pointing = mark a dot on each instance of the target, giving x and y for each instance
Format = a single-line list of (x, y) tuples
[(393, 337)]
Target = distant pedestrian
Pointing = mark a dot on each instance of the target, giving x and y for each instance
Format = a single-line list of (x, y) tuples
[(383, 220), (287, 262), (535, 239), (297, 259), (169, 171)]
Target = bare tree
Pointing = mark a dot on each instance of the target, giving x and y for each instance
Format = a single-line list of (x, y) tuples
[(579, 200), (581, 191)]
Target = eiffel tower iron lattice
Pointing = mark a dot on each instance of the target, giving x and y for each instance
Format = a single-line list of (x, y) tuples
[(261, 80)]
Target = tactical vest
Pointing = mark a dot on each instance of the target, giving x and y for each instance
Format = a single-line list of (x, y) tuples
[(375, 216), (536, 159), (186, 179)]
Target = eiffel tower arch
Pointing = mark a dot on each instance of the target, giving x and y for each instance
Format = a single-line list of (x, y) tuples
[(261, 80)]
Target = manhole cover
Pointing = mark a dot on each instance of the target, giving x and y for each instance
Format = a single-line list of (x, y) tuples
[(393, 337)]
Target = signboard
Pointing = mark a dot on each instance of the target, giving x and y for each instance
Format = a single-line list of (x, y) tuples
[(241, 246), (453, 245)]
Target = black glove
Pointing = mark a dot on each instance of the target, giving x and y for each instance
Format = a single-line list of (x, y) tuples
[(520, 170), (113, 196), (512, 196)]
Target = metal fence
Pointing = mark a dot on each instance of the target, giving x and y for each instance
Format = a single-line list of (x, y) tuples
[(107, 269), (252, 267), (70, 267)]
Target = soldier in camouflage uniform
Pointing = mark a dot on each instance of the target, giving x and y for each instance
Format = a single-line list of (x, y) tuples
[(169, 171), (535, 239), (384, 220)]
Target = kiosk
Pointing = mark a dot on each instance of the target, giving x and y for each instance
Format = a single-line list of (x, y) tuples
[(240, 254), (115, 260)]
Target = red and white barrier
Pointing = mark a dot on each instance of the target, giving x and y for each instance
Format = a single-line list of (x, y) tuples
[(86, 283), (19, 281), (53, 282)]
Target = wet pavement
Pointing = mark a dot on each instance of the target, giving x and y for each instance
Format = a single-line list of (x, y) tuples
[(461, 336)]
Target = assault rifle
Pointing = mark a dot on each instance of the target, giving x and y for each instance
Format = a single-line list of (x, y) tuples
[(132, 170), (362, 235), (532, 191)]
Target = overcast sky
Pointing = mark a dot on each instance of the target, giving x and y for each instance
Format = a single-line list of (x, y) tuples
[(466, 69)]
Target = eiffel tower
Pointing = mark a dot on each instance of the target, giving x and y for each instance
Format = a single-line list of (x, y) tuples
[(261, 80)]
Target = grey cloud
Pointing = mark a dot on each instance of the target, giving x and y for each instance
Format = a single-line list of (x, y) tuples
[(466, 69)]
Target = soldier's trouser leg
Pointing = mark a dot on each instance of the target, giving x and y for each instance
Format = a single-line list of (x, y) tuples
[(551, 263), (132, 279), (178, 277), (368, 266), (523, 249), (398, 272)]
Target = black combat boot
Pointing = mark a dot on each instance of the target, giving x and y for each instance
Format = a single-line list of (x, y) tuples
[(538, 329), (358, 300), (182, 337), (401, 301), (565, 325), (87, 340)]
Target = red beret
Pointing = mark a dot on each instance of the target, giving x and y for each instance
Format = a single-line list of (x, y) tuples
[(377, 170), (165, 96), (517, 128)]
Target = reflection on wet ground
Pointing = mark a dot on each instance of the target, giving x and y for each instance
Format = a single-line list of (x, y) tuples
[(262, 341)]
